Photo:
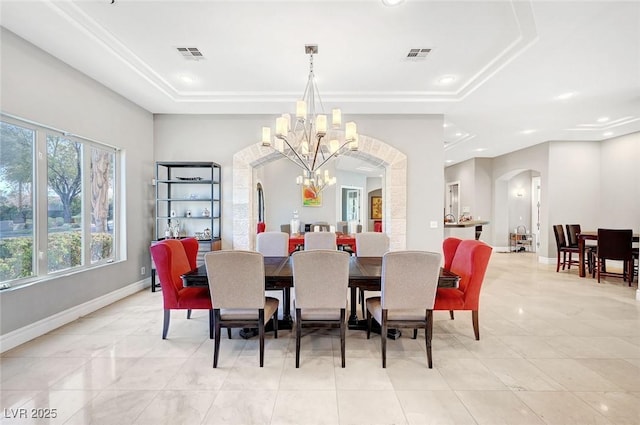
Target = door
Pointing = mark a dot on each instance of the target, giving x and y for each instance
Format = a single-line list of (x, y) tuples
[(453, 200)]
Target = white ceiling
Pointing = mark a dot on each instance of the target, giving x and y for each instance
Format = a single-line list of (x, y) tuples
[(510, 60)]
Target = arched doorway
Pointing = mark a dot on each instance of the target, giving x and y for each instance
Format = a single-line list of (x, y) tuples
[(373, 150)]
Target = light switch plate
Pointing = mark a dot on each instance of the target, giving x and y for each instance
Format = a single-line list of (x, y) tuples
[(434, 224)]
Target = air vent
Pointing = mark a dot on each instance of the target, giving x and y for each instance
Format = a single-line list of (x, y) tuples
[(191, 53), (418, 54)]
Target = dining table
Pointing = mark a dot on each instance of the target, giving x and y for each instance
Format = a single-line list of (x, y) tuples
[(296, 241), (364, 272), (590, 235)]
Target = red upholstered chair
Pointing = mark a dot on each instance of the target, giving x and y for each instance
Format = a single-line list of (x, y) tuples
[(261, 227), (469, 260), (174, 258), (449, 247)]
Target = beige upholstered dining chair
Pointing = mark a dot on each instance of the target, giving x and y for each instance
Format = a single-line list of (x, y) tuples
[(370, 244), (236, 284), (408, 291), (321, 279), (273, 244), (319, 240)]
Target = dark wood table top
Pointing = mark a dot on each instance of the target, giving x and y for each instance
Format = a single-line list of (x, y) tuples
[(364, 272)]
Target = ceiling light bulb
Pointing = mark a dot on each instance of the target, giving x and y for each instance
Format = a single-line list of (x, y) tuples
[(447, 79), (392, 2), (528, 131), (607, 133), (603, 119), (565, 96)]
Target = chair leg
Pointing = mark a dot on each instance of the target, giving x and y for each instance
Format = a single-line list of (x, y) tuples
[(343, 333), (415, 333), (598, 266), (261, 331), (569, 263), (216, 343), (188, 314), (451, 314), (362, 302), (476, 327), (428, 334), (165, 324), (383, 338), (558, 262), (229, 333), (298, 335), (275, 324), (211, 320)]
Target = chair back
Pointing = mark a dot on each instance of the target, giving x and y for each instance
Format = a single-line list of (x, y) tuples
[(409, 280), (558, 231), (470, 262), (320, 240), (615, 244), (342, 227), (371, 244), (449, 247), (573, 230), (273, 244), (236, 279), (320, 278), (286, 228), (173, 258)]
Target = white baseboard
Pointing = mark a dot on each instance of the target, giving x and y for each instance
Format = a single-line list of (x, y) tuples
[(41, 327), (546, 260)]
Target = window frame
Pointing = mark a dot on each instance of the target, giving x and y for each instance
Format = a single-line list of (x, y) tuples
[(40, 203)]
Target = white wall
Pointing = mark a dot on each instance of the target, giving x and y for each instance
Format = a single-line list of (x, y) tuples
[(575, 187), (218, 137), (39, 87), (620, 179)]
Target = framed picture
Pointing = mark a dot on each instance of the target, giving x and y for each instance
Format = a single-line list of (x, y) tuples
[(376, 207), (311, 198)]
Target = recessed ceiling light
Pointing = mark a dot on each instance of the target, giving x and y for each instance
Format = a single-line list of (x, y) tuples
[(445, 124), (528, 131), (186, 79), (480, 149), (392, 2), (449, 161), (447, 79), (565, 96), (458, 134), (607, 133), (603, 119)]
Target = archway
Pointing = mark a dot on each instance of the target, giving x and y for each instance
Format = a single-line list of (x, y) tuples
[(370, 149)]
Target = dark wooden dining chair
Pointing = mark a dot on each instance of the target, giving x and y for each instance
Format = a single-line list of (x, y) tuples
[(562, 249), (615, 244), (573, 230)]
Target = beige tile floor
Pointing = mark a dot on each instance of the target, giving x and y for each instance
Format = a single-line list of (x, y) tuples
[(554, 349)]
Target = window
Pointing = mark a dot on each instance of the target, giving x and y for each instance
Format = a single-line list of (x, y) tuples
[(56, 213)]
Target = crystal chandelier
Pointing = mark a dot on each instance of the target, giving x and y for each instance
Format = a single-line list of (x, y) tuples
[(308, 143)]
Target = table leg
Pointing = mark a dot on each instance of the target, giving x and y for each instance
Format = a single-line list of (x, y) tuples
[(581, 271), (478, 231), (353, 316)]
